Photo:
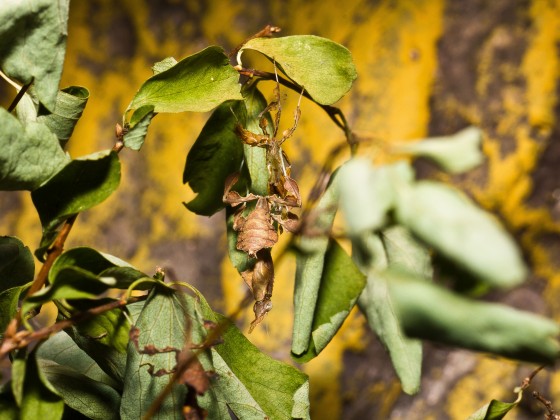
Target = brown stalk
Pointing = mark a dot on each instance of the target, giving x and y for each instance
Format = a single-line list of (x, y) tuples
[(19, 95)]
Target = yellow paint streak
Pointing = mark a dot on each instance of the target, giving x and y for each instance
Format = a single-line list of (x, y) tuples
[(541, 64)]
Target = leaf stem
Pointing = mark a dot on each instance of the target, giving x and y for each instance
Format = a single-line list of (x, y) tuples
[(334, 113), (267, 31), (19, 95)]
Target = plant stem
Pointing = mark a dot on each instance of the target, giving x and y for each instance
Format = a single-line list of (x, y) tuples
[(18, 97), (24, 337)]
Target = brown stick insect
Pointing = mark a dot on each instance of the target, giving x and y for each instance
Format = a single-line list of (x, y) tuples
[(258, 231)]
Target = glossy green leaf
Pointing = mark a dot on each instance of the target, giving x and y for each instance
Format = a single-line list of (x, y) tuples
[(138, 127), (341, 284), (309, 268), (457, 153), (447, 220), (30, 155), (430, 312), (39, 399), (324, 68), (33, 44), (216, 154), (70, 283), (70, 103), (243, 369), (60, 348), (248, 382), (93, 399), (17, 266), (162, 324), (81, 185), (9, 303), (368, 193), (378, 306), (197, 83), (494, 410), (102, 265)]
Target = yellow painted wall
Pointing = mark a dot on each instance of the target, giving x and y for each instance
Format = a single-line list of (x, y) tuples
[(112, 45)]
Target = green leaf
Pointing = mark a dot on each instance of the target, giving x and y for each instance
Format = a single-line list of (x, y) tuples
[(447, 220), (309, 268), (368, 193), (30, 155), (9, 300), (324, 68), (104, 266), (252, 384), (255, 157), (8, 407), (70, 103), (405, 252), (70, 283), (39, 399), (341, 284), (162, 324), (216, 154), (494, 410), (138, 127), (17, 266), (378, 306), (93, 399), (457, 153), (33, 43), (197, 83), (430, 312), (60, 348), (81, 185)]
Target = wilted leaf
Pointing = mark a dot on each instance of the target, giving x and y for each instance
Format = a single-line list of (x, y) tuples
[(379, 308), (30, 155), (70, 103), (216, 154), (430, 312), (447, 220), (341, 284), (309, 267), (81, 185), (93, 399), (33, 43), (457, 153), (197, 83), (324, 68), (17, 266)]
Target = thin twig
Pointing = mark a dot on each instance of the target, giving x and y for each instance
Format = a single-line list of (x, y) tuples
[(24, 337), (19, 95), (266, 32), (334, 113)]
